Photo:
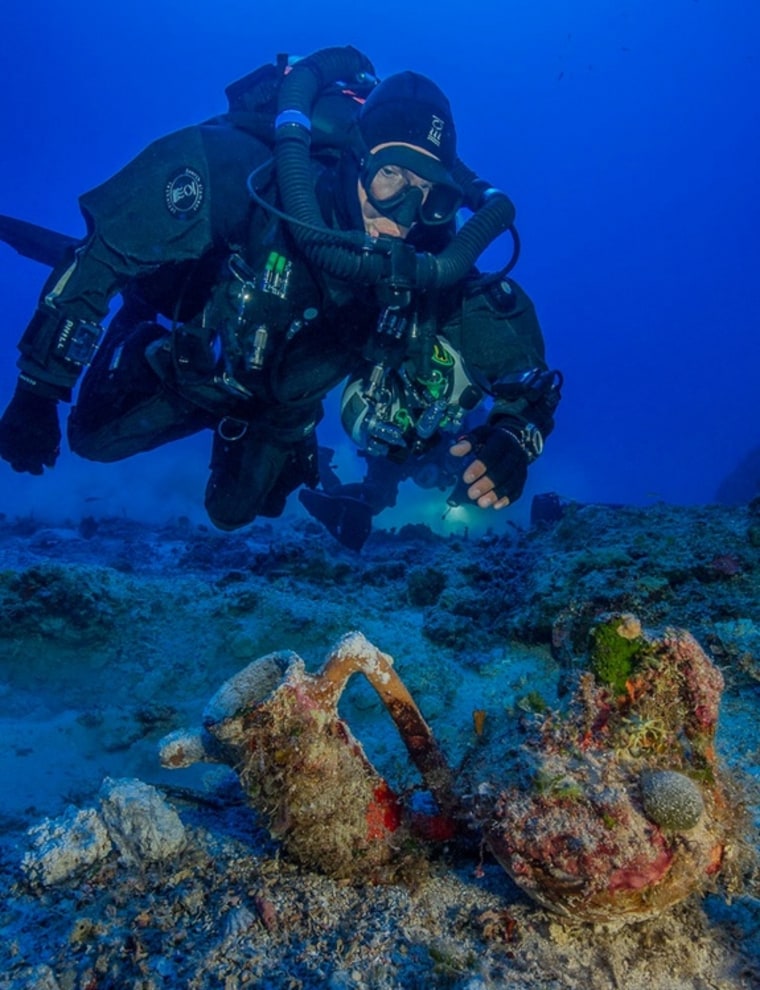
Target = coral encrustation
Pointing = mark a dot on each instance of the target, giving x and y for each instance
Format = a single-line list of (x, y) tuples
[(618, 808)]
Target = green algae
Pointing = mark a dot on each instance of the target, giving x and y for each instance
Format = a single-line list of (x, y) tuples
[(615, 650)]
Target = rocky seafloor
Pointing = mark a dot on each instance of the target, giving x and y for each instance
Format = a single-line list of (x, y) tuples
[(113, 633)]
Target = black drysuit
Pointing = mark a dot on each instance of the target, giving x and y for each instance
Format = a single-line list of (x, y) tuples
[(256, 337)]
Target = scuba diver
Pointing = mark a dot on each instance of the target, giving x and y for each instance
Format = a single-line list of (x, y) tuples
[(306, 236)]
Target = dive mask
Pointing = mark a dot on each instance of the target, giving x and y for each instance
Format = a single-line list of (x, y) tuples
[(410, 204)]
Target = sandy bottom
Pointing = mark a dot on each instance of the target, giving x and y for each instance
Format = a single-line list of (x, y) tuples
[(114, 636)]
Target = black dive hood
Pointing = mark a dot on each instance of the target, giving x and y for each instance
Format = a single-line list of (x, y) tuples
[(352, 255)]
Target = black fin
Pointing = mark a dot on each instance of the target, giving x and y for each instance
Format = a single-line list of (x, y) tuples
[(38, 243), (348, 519)]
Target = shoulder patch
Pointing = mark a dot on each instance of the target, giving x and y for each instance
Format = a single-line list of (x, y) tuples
[(184, 193)]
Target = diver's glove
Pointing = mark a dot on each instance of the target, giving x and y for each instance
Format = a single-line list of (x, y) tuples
[(30, 436), (506, 449)]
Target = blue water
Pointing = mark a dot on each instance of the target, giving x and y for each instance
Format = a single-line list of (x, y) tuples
[(626, 133)]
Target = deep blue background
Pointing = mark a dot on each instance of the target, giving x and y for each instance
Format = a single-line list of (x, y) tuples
[(627, 133)]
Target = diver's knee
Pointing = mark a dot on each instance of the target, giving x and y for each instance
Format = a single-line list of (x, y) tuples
[(252, 475), (94, 446), (225, 525)]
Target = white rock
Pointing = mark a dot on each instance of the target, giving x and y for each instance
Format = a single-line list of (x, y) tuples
[(39, 977), (63, 846), (141, 824)]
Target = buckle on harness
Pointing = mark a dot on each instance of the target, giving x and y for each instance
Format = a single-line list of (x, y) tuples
[(78, 341), (231, 429)]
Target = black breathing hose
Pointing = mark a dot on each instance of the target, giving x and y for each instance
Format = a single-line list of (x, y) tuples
[(298, 94), (493, 215), (351, 255)]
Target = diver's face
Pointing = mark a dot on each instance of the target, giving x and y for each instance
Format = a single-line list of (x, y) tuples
[(393, 199)]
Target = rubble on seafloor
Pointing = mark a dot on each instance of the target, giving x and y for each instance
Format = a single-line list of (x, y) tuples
[(125, 631)]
